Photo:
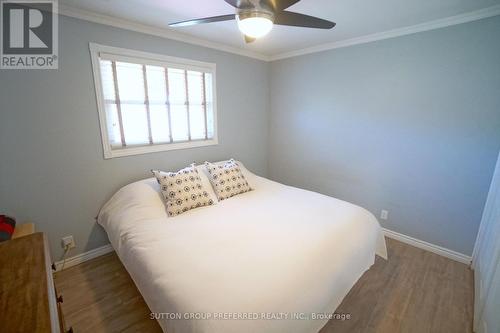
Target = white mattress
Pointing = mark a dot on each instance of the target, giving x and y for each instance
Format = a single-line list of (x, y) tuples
[(274, 252)]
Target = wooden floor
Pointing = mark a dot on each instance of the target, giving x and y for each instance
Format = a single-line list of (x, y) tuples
[(414, 291)]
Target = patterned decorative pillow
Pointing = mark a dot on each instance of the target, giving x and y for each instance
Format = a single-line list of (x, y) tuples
[(227, 179), (182, 190)]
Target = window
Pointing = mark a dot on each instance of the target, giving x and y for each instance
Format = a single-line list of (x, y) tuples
[(150, 103)]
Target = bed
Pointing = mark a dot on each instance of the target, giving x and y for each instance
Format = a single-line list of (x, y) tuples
[(275, 259)]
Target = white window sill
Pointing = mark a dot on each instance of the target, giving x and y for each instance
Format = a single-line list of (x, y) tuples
[(138, 150)]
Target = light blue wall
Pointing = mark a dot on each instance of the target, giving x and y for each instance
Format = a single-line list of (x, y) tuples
[(410, 124), (52, 170)]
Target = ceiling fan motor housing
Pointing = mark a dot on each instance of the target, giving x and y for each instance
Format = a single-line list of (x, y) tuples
[(251, 13)]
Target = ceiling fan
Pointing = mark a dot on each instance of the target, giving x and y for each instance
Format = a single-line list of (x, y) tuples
[(256, 17)]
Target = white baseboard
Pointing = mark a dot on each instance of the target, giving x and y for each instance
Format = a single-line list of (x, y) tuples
[(82, 257), (429, 247)]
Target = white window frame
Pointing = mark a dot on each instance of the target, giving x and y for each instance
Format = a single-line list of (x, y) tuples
[(149, 59)]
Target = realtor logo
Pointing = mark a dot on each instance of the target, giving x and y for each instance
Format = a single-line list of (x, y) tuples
[(29, 34)]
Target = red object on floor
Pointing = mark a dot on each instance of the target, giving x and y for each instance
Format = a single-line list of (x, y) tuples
[(7, 225)]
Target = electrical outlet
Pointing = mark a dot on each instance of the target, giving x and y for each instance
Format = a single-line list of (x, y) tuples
[(67, 242), (384, 214)]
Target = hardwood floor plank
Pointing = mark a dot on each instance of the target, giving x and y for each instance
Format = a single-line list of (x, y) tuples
[(100, 296), (415, 291)]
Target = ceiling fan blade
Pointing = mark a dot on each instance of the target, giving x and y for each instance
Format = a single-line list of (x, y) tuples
[(249, 39), (203, 20), (240, 4), (301, 20), (278, 5)]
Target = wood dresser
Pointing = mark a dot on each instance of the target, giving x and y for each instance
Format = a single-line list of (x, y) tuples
[(28, 301)]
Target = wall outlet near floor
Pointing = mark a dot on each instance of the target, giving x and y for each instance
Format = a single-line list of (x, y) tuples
[(67, 242), (384, 214)]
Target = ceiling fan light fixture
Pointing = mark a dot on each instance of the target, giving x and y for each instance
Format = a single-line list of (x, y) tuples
[(255, 24)]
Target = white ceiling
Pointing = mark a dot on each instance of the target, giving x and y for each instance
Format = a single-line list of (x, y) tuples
[(354, 18)]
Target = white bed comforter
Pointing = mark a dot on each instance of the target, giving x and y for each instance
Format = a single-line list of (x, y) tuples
[(277, 255)]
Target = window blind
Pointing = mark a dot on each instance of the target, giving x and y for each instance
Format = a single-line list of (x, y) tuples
[(148, 102)]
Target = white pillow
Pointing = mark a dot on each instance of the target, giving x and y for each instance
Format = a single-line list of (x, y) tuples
[(204, 175), (227, 179), (183, 190), (250, 177)]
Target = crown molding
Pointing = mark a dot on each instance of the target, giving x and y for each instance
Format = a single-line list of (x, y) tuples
[(431, 25), (169, 34), (155, 31)]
